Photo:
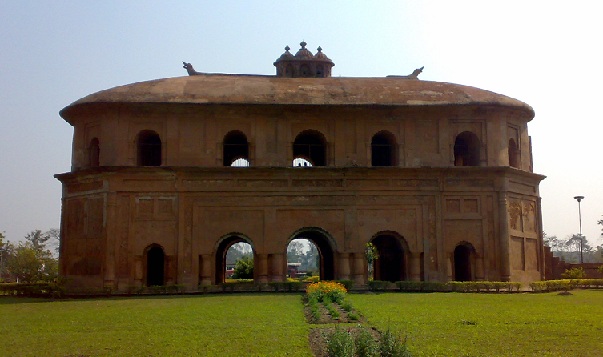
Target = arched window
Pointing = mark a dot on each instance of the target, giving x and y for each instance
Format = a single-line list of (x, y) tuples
[(320, 71), (149, 148), (466, 149), (513, 154), (310, 146), (304, 71), (235, 149), (93, 153), (383, 147)]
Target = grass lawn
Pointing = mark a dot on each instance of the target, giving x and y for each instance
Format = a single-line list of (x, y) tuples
[(454, 324), (208, 325), (437, 324)]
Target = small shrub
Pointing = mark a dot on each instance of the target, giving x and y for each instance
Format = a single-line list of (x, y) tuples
[(392, 346), (352, 316), (348, 284), (378, 285), (312, 279), (335, 292), (366, 345), (574, 273), (346, 306), (340, 343)]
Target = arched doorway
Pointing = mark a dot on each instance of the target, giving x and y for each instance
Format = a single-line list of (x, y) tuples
[(463, 262), (303, 259), (391, 262), (467, 149), (322, 242), (155, 261), (221, 252)]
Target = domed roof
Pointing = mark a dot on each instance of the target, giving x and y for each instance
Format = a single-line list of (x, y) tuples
[(224, 89), (321, 56), (286, 55), (303, 52)]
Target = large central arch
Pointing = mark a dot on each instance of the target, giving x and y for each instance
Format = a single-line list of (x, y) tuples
[(392, 260), (326, 248), (223, 245)]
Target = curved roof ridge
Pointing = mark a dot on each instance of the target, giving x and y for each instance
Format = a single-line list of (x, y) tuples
[(268, 89)]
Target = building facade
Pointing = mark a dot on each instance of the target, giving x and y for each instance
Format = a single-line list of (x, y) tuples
[(168, 174)]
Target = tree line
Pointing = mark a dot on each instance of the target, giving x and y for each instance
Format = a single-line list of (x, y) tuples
[(33, 260)]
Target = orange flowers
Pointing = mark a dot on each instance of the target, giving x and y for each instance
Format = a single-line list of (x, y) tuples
[(326, 290)]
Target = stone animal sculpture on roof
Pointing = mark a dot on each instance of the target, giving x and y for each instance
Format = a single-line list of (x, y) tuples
[(413, 75), (189, 68)]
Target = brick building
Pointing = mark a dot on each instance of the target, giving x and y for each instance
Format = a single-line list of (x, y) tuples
[(168, 174)]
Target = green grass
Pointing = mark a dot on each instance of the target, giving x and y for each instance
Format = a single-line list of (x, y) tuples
[(217, 325), (453, 324), (437, 324)]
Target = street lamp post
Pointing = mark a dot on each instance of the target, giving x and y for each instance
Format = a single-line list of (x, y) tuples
[(579, 199)]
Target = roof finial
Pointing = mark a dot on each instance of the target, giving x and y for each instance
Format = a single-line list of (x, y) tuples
[(303, 45), (287, 48), (319, 49)]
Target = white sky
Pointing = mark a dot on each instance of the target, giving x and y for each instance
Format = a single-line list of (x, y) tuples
[(545, 53)]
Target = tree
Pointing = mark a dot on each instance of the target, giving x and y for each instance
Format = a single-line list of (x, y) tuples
[(372, 254), (3, 255), (295, 251), (53, 238), (237, 251), (309, 261), (37, 239), (244, 268), (29, 264), (551, 242)]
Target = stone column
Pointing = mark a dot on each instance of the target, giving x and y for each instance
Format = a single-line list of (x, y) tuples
[(206, 271), (415, 267), (479, 268), (262, 275), (276, 268), (111, 246), (359, 270), (449, 264), (503, 214), (344, 266)]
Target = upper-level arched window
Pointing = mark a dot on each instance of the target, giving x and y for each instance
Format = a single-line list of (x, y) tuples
[(383, 151), (235, 149), (513, 154), (466, 149), (310, 145), (149, 148), (93, 153)]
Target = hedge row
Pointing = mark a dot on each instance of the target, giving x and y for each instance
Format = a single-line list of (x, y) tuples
[(458, 286), (32, 289), (566, 284)]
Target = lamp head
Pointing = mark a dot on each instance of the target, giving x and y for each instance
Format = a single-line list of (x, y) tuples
[(578, 198)]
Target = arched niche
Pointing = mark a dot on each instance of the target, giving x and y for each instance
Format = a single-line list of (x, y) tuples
[(311, 146), (467, 149)]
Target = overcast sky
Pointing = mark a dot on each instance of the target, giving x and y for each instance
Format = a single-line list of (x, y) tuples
[(547, 54)]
